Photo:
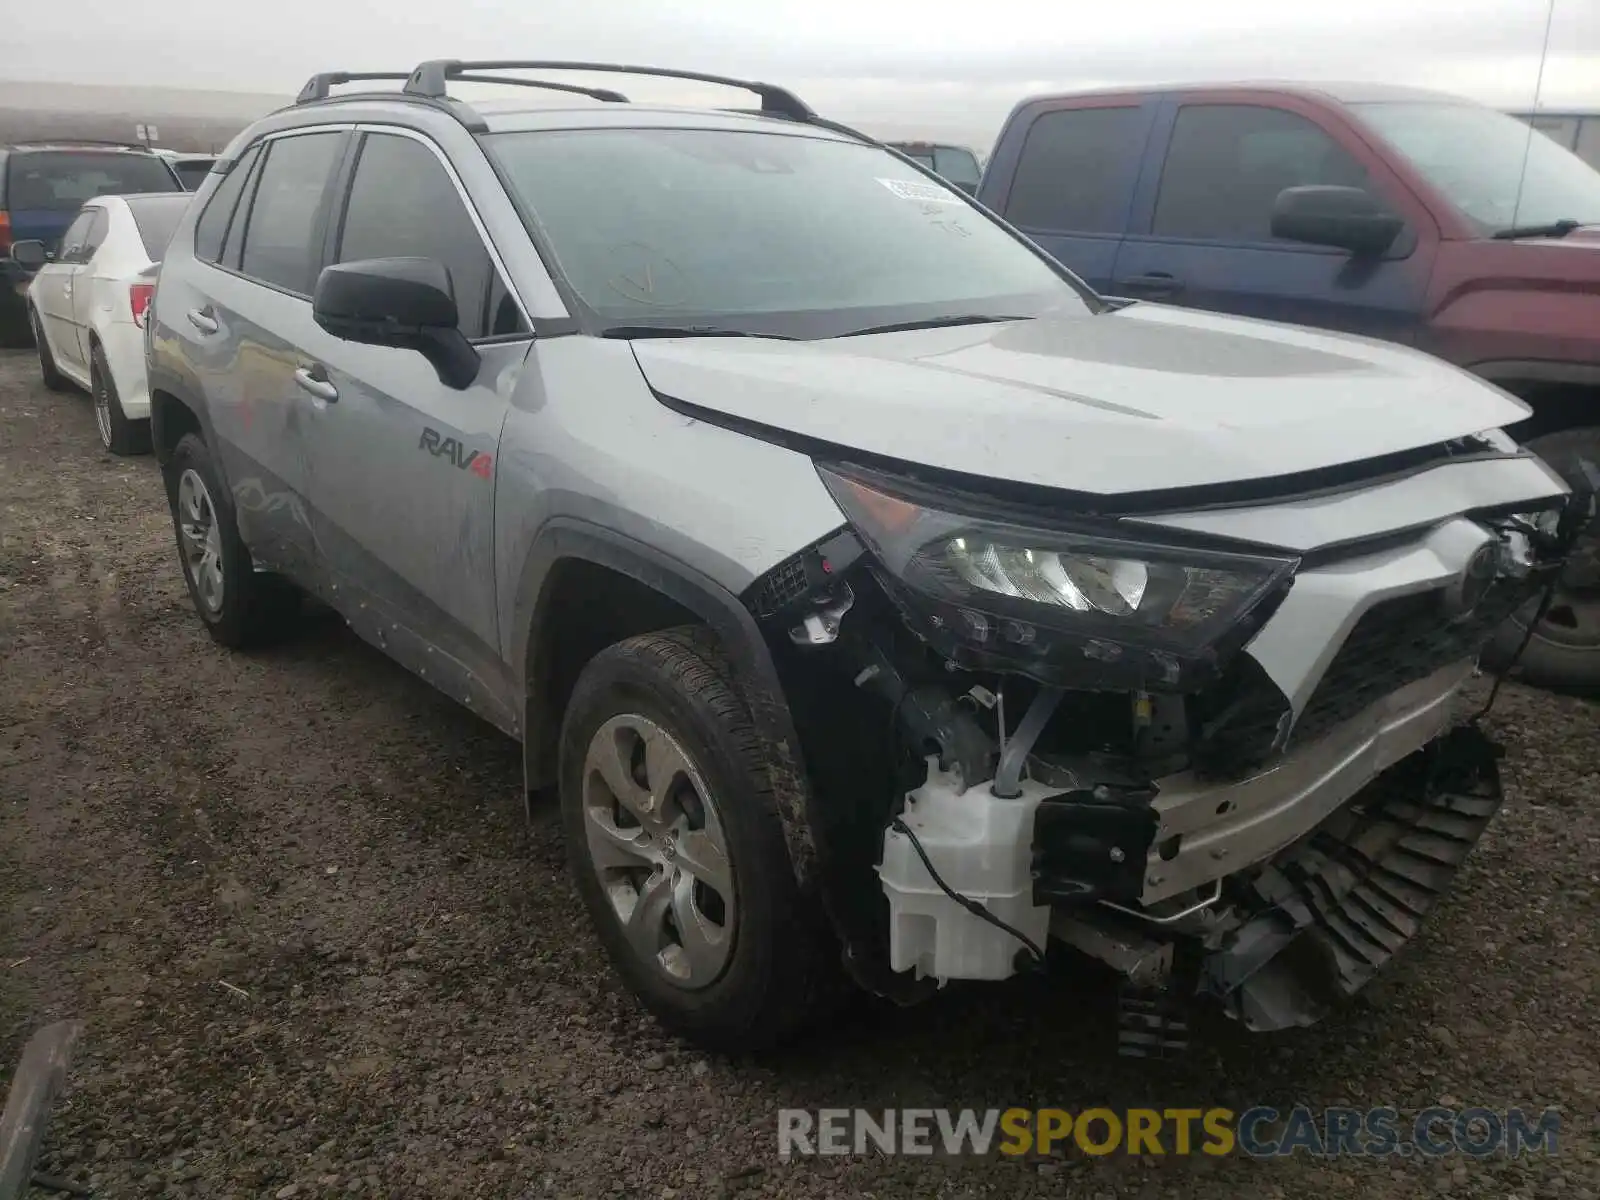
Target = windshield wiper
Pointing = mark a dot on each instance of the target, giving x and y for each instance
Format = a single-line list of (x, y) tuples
[(934, 323), (1555, 229), (683, 331)]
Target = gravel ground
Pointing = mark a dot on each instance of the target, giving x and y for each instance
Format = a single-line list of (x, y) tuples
[(319, 951)]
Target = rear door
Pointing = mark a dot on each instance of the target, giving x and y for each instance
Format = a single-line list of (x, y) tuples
[(81, 284), (246, 319), (1202, 227), (402, 466), (1064, 174)]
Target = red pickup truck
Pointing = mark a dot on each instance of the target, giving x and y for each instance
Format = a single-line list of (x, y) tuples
[(1395, 213)]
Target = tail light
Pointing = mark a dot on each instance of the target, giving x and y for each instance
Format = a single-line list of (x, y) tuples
[(139, 297), (5, 232)]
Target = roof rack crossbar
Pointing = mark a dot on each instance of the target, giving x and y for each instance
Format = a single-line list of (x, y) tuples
[(605, 94), (318, 86), (430, 79)]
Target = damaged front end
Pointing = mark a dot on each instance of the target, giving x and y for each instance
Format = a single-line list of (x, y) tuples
[(1220, 767)]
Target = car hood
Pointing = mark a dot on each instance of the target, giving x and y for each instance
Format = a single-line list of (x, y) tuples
[(1143, 398)]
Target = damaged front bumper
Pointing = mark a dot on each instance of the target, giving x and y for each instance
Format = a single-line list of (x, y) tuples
[(1266, 826), (1323, 916), (1348, 840)]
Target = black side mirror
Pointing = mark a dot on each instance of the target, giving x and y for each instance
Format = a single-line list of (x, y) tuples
[(406, 303), (29, 254), (970, 189), (1346, 217)]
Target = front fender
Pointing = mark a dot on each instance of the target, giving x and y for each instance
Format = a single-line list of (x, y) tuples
[(735, 628)]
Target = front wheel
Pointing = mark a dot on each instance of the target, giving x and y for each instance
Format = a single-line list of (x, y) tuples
[(240, 606), (1564, 649), (53, 378), (677, 849)]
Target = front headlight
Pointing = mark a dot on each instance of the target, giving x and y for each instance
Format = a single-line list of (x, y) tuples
[(1086, 606)]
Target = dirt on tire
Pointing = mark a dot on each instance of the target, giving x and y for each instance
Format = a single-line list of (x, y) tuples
[(319, 951)]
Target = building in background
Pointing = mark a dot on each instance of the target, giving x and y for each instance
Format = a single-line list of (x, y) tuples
[(184, 119), (1576, 129)]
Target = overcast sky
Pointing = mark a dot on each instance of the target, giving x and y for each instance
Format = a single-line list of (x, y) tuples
[(947, 68)]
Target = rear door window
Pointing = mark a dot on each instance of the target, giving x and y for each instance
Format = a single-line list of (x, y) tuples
[(212, 227), (63, 180), (1071, 177), (1227, 163), (98, 227), (403, 202), (282, 235), (75, 238)]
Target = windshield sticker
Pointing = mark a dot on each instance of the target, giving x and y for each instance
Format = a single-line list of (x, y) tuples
[(921, 192)]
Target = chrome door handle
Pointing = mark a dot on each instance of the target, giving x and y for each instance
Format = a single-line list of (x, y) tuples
[(202, 322), (314, 380)]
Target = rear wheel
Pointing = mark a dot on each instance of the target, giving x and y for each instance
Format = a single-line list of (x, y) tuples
[(117, 434), (240, 606), (677, 848), (1564, 649), (53, 378)]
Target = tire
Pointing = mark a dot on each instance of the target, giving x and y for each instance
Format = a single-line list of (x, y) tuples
[(53, 378), (117, 434), (770, 972), (1564, 651), (240, 606)]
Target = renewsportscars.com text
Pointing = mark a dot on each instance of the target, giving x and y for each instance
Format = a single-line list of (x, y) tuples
[(1259, 1132)]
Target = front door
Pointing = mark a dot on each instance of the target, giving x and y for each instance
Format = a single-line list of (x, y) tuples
[(403, 467), (52, 294), (1203, 236)]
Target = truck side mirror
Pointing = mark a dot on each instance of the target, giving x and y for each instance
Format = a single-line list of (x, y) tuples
[(1348, 218)]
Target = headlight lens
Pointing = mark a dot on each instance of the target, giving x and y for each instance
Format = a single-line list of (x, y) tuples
[(1052, 595)]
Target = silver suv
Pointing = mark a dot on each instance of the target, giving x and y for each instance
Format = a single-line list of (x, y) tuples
[(882, 603)]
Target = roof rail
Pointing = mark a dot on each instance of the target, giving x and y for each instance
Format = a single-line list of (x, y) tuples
[(605, 94), (430, 79), (318, 86)]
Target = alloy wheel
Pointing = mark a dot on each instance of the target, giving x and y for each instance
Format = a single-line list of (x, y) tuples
[(102, 408), (201, 540), (656, 841)]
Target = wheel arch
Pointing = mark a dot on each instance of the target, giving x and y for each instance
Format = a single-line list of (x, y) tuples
[(571, 565), (174, 411)]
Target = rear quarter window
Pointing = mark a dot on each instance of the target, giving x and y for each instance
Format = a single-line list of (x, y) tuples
[(63, 180), (157, 220)]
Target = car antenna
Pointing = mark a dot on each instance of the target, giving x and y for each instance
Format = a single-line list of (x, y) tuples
[(1538, 90)]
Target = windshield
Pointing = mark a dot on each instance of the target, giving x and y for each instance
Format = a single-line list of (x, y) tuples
[(1475, 156), (61, 181), (768, 233)]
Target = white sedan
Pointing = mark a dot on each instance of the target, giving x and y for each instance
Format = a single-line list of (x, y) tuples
[(87, 305)]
